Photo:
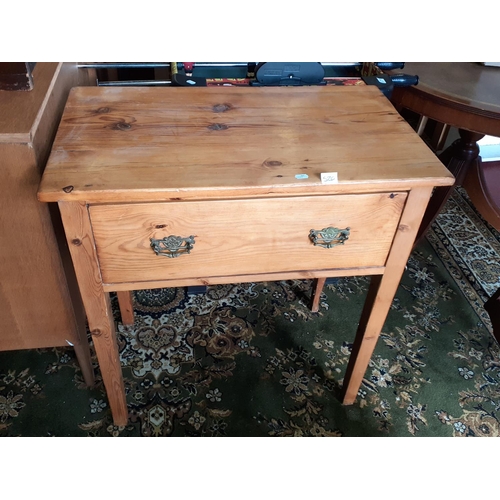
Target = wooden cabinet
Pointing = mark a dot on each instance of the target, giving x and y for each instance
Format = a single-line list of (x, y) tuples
[(40, 304)]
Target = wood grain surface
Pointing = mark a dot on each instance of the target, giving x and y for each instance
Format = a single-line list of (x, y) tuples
[(240, 170), (20, 110), (381, 293), (35, 310), (97, 304), (162, 144), (243, 236), (38, 308)]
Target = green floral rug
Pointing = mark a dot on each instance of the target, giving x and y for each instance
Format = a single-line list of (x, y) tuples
[(252, 360)]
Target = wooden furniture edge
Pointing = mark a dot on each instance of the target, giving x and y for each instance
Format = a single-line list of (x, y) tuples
[(434, 107), (97, 304), (247, 278), (312, 189), (381, 293)]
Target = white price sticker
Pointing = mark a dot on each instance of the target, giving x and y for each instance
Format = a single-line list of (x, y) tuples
[(329, 178)]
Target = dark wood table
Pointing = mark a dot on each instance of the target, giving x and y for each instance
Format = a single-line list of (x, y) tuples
[(466, 96)]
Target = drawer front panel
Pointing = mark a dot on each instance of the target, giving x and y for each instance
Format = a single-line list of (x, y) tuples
[(232, 237)]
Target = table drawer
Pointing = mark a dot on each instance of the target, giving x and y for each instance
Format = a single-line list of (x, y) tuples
[(233, 237)]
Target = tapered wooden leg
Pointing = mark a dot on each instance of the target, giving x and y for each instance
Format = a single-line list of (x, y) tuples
[(81, 346), (126, 303), (318, 285), (82, 352), (97, 304), (365, 341), (381, 293)]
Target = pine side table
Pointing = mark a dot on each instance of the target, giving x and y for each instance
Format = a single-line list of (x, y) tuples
[(167, 187)]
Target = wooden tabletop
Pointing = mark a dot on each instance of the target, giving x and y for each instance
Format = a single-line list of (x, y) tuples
[(464, 95), (175, 143), (467, 84)]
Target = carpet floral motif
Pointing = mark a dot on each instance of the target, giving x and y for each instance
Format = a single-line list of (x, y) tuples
[(253, 360)]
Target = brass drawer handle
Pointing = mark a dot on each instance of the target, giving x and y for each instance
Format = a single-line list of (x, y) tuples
[(172, 246), (329, 237)]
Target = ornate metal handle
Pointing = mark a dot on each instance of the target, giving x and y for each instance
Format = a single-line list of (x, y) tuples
[(329, 237), (172, 246)]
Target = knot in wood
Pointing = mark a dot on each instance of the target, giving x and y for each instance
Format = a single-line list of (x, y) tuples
[(77, 242), (96, 333), (68, 189), (122, 126), (403, 228), (218, 126), (103, 110), (272, 163), (221, 108)]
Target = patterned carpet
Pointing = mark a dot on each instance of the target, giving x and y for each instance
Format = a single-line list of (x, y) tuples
[(252, 360)]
